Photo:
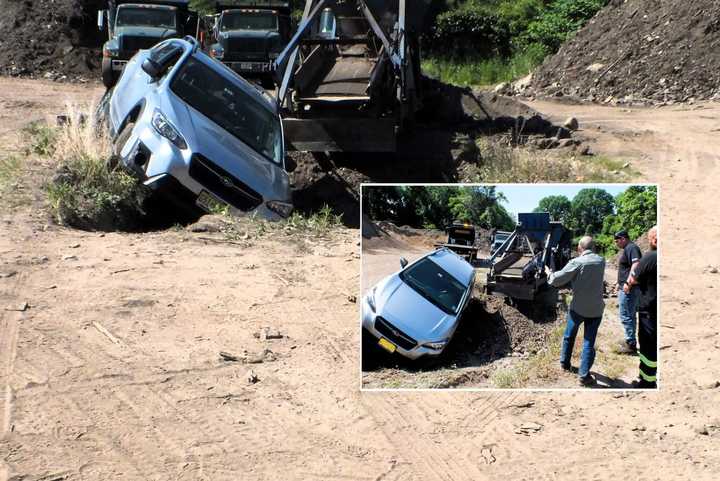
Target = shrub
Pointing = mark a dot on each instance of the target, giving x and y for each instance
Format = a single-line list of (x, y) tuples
[(85, 193), (471, 30), (560, 21)]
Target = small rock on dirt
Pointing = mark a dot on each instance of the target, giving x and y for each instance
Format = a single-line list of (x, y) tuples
[(702, 430), (226, 356), (19, 308), (252, 378), (571, 123), (267, 333), (352, 299), (705, 385), (5, 275)]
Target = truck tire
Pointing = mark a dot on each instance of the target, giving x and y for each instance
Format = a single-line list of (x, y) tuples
[(108, 76)]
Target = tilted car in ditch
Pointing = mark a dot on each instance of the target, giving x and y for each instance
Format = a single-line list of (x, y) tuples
[(416, 311), (192, 129)]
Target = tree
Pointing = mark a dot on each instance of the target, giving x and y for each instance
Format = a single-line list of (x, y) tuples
[(588, 211), (557, 205)]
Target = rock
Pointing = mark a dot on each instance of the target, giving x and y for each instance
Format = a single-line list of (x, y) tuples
[(705, 385), (252, 378), (226, 356), (487, 455), (20, 308), (713, 270), (70, 258), (207, 223), (567, 143), (523, 83), (266, 333), (5, 275), (528, 428), (703, 430), (626, 165), (586, 151), (502, 88), (595, 67), (571, 123), (265, 356), (352, 299)]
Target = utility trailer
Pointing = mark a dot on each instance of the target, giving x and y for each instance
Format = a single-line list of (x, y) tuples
[(461, 240), (517, 267), (349, 79)]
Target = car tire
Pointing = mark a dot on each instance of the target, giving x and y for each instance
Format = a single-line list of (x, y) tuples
[(118, 145), (102, 111)]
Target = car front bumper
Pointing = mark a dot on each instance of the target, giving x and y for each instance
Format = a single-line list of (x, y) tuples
[(155, 160), (368, 324)]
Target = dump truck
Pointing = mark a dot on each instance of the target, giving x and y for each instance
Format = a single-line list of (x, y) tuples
[(349, 79), (517, 267), (461, 240), (249, 35), (140, 24)]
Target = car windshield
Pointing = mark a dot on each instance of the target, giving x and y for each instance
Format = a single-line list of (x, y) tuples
[(243, 20), (145, 17), (226, 104), (435, 285)]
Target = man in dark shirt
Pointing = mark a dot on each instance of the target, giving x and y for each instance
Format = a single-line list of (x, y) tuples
[(644, 276), (627, 298)]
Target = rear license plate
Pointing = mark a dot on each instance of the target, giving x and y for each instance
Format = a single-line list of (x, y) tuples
[(387, 345), (210, 203), (246, 66)]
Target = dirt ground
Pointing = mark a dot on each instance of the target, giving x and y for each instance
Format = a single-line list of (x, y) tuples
[(494, 341), (112, 370)]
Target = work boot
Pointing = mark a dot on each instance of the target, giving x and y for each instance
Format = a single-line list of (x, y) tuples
[(643, 384), (566, 366), (625, 347), (587, 381)]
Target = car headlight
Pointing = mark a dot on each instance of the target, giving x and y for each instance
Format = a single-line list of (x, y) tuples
[(166, 129), (436, 345), (371, 299), (283, 209)]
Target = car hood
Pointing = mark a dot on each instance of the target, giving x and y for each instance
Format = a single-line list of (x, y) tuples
[(154, 32), (407, 310), (205, 137)]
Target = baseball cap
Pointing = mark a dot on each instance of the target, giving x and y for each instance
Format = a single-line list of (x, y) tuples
[(622, 233)]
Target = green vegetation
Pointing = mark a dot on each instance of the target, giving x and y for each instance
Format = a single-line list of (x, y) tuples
[(595, 212), (436, 206), (84, 193), (10, 168), (498, 40), (316, 224)]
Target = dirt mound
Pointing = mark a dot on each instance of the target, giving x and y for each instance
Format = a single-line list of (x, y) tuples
[(55, 39), (640, 51)]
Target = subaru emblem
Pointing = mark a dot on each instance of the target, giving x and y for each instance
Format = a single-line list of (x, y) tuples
[(227, 181)]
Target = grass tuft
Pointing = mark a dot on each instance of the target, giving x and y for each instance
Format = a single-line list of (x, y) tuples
[(85, 192)]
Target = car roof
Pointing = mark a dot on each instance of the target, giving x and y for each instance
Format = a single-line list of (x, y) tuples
[(452, 263)]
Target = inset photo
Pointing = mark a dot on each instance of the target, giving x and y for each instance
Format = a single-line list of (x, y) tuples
[(509, 286)]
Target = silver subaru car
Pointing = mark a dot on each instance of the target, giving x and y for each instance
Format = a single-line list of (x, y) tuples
[(416, 311), (194, 130)]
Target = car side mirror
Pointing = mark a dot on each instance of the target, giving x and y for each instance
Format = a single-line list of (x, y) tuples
[(101, 20), (403, 262), (290, 164), (152, 68)]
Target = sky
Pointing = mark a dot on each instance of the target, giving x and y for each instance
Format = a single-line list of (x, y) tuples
[(525, 197)]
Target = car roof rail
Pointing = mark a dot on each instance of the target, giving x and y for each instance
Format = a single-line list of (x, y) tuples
[(193, 41)]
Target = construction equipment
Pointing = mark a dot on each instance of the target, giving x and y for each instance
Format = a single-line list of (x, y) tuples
[(133, 25), (250, 34), (517, 268), (461, 240), (349, 79)]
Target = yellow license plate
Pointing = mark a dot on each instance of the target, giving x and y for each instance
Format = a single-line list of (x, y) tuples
[(387, 345)]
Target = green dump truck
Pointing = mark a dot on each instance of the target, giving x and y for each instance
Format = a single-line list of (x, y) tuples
[(140, 24), (249, 35)]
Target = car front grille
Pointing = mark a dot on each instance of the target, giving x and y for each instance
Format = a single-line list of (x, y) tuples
[(133, 44), (394, 334), (223, 184), (247, 45)]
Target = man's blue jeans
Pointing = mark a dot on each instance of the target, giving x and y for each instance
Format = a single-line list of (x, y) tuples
[(587, 357), (628, 313)]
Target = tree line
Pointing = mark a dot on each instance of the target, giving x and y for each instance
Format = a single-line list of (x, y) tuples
[(591, 211)]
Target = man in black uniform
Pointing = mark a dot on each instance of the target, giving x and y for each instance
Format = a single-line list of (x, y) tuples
[(644, 276), (627, 298)]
